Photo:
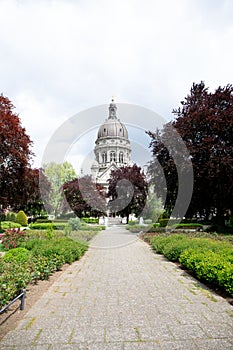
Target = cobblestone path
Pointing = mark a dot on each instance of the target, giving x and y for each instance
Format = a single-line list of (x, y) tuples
[(122, 296)]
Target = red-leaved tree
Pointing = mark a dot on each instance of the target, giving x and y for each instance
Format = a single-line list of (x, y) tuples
[(127, 191), (15, 154), (84, 197)]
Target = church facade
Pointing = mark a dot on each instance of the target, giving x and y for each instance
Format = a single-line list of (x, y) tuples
[(112, 147)]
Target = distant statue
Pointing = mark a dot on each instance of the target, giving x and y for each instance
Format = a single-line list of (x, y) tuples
[(106, 221), (141, 221)]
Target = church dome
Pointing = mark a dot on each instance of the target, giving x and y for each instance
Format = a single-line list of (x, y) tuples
[(112, 127)]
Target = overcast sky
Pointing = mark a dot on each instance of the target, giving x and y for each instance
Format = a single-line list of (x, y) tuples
[(60, 57)]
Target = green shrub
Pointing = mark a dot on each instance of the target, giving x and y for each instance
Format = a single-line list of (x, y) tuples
[(21, 218), (189, 226), (210, 260), (9, 224), (19, 254), (75, 223), (11, 216), (173, 250), (36, 259), (12, 238), (206, 265), (91, 220), (13, 277), (39, 221), (41, 226), (48, 226), (158, 243), (225, 278), (92, 228), (63, 246)]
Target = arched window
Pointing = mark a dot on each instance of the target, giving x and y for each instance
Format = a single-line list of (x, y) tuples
[(104, 157), (121, 157), (112, 156)]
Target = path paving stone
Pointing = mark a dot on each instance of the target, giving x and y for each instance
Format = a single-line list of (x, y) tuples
[(123, 296)]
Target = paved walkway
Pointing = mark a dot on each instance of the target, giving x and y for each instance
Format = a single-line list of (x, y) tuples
[(121, 295)]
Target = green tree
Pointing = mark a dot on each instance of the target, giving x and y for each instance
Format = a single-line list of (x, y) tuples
[(154, 206), (58, 174)]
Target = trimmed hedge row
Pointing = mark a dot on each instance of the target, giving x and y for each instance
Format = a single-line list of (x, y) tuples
[(35, 259), (90, 220), (48, 225), (9, 224), (210, 260)]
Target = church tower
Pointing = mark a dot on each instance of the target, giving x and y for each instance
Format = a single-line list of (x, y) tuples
[(112, 147)]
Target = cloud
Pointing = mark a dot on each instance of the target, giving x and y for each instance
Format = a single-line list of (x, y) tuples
[(60, 57)]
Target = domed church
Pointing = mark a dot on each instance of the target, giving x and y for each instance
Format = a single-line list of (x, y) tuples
[(112, 147)]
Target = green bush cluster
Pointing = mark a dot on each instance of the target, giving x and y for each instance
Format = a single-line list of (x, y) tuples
[(189, 226), (35, 259), (12, 238), (210, 260), (21, 218), (75, 224), (48, 225), (145, 228), (9, 224), (10, 216), (90, 220), (92, 228)]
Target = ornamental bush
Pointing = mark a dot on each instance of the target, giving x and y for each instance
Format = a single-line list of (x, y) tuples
[(48, 226), (12, 238), (35, 259), (21, 218), (210, 260), (9, 224), (20, 255), (75, 224), (91, 220), (11, 216)]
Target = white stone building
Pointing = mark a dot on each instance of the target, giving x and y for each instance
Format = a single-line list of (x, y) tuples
[(112, 147)]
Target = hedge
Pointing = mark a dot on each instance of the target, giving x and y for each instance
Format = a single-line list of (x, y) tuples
[(90, 220), (188, 226), (210, 260), (35, 259), (48, 225), (9, 224), (211, 267)]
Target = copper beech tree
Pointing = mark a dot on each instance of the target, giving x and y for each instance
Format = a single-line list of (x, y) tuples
[(15, 155), (84, 197), (127, 191), (205, 123)]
